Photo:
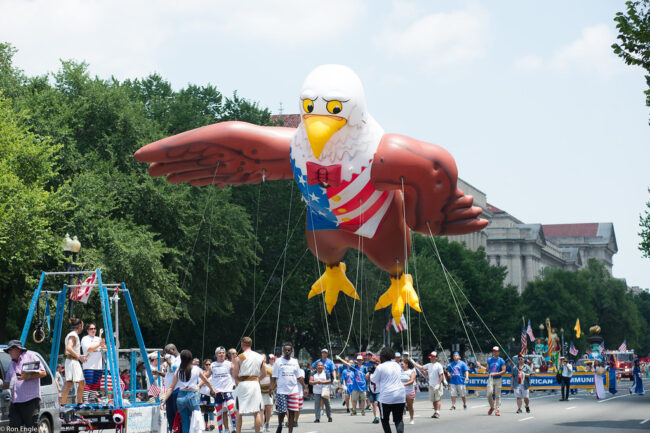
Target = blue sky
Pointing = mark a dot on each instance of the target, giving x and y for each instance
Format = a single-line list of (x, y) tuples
[(527, 96)]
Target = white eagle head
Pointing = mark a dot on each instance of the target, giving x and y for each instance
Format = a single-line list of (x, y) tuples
[(332, 105)]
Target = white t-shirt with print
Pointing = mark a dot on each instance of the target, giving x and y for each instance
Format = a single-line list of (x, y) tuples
[(221, 378), (286, 372)]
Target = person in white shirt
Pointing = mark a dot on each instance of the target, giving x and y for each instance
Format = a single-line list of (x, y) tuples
[(73, 360), (171, 364), (92, 346), (321, 384), (221, 377), (186, 381), (287, 374), (386, 380), (566, 370), (408, 379), (435, 372)]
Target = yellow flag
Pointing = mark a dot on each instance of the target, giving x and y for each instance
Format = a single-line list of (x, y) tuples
[(577, 328)]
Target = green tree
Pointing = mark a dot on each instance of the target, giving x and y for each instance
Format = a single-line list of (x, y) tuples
[(644, 222), (634, 37), (29, 210), (590, 294)]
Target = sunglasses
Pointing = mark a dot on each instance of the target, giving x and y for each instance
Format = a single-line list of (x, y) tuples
[(92, 329)]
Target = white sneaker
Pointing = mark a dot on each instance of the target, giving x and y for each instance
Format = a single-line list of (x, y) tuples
[(412, 422)]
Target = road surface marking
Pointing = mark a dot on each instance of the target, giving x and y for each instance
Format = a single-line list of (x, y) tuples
[(644, 421), (612, 398), (476, 407), (527, 418), (571, 407)]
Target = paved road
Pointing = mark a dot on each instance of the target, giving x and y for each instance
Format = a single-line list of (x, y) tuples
[(620, 413)]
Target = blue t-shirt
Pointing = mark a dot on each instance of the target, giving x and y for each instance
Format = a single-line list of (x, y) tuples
[(347, 379), (358, 378), (494, 365), (457, 370), (327, 364)]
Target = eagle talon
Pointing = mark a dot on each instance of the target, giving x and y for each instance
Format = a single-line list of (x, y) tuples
[(400, 293), (332, 282)]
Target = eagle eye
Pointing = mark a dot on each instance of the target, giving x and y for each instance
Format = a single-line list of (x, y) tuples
[(334, 107), (308, 105)]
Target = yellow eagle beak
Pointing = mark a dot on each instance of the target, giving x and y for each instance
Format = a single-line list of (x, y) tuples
[(320, 129)]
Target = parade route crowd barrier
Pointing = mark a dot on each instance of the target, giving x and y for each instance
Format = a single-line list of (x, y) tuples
[(538, 381)]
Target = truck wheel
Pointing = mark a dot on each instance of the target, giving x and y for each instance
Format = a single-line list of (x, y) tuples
[(44, 425)]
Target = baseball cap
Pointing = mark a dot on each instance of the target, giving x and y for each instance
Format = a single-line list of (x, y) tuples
[(405, 353), (271, 356), (456, 353), (495, 349), (359, 357), (398, 354), (324, 350), (153, 355), (434, 353)]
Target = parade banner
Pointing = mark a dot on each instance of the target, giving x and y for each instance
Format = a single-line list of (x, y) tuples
[(538, 381)]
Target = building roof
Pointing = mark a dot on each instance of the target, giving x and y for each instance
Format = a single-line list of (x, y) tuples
[(288, 120), (494, 209), (586, 230)]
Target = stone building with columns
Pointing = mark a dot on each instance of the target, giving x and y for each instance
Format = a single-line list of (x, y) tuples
[(526, 249)]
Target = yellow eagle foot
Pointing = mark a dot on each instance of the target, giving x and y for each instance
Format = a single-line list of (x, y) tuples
[(399, 294), (332, 282)]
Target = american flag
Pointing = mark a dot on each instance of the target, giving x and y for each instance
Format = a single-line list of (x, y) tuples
[(524, 346), (399, 327), (529, 331), (623, 347), (354, 206), (154, 390), (82, 293), (601, 348), (109, 384), (572, 350)]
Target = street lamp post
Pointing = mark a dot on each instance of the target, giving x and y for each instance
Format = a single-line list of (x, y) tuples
[(70, 248)]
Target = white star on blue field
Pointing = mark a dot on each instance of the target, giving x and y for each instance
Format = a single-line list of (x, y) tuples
[(319, 217)]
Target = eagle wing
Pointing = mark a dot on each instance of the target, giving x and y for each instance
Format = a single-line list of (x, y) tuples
[(227, 153), (428, 175)]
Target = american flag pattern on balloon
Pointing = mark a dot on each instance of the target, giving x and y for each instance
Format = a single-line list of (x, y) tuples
[(354, 206)]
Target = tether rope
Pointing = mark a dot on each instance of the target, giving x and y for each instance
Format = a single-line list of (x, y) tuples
[(327, 327), (196, 238), (257, 221), (277, 263), (207, 279), (406, 269), (354, 301), (286, 243), (270, 302), (426, 321), (468, 301)]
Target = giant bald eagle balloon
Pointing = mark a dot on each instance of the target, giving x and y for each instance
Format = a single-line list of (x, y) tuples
[(356, 180)]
